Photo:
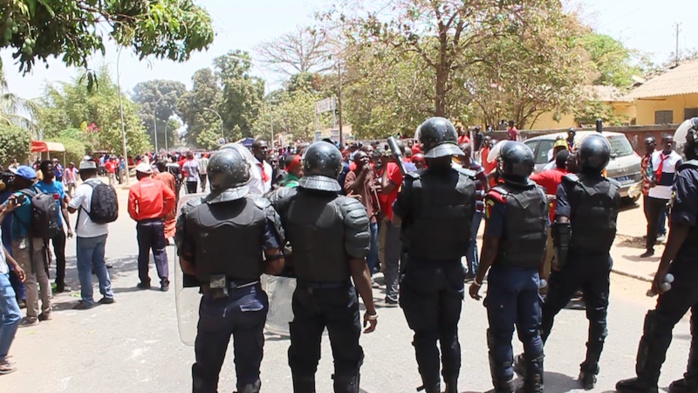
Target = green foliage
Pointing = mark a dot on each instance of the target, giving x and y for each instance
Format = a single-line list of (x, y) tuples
[(230, 91), (158, 100), (611, 60), (73, 30), (14, 143), (74, 148), (95, 112), (590, 110)]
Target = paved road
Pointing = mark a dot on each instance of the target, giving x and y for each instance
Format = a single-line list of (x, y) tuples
[(133, 345)]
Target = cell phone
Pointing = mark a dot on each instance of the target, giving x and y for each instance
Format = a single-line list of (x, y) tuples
[(19, 199)]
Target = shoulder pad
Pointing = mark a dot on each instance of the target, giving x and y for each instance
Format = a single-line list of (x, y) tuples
[(274, 196), (467, 172), (613, 182), (190, 205), (498, 194), (571, 177), (262, 202), (689, 164), (413, 176), (352, 210)]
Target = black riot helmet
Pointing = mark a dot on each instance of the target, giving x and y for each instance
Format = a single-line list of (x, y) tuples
[(516, 163), (690, 148), (322, 164), (438, 138), (229, 173), (594, 153)]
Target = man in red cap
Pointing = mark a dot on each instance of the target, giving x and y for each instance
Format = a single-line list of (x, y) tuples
[(295, 172)]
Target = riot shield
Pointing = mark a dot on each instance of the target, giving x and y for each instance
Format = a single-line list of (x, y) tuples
[(186, 299), (280, 292)]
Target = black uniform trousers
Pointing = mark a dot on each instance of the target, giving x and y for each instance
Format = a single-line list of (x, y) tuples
[(659, 323), (431, 296), (318, 306), (591, 275), (241, 315)]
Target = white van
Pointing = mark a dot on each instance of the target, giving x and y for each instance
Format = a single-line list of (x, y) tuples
[(624, 166)]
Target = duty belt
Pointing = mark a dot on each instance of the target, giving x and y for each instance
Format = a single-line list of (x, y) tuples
[(324, 284), (232, 285)]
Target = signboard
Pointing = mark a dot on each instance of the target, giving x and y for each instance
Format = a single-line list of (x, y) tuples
[(326, 105)]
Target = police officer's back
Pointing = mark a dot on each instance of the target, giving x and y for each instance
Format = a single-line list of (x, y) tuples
[(680, 258), (330, 238), (435, 207), (514, 246), (583, 232), (221, 241)]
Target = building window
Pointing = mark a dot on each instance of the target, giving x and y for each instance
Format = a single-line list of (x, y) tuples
[(663, 117), (689, 113)]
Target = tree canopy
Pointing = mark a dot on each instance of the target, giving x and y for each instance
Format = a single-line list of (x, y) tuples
[(158, 101), (74, 29)]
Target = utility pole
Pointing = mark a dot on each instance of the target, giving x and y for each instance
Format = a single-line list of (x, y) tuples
[(121, 111), (678, 25), (339, 104)]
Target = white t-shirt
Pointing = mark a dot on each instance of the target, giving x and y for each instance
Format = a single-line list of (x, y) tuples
[(82, 201), (665, 184), (258, 187)]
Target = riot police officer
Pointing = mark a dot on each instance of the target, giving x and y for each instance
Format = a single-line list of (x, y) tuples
[(226, 242), (680, 260), (330, 238), (516, 214), (435, 208), (583, 232)]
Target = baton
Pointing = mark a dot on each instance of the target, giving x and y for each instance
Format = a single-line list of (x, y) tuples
[(397, 154)]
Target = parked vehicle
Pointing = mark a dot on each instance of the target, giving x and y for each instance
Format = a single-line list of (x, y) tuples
[(624, 166)]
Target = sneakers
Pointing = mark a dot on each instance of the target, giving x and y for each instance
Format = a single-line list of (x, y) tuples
[(391, 302), (106, 300), (661, 239), (6, 367), (27, 322), (164, 287), (647, 254), (143, 285), (60, 288), (82, 305)]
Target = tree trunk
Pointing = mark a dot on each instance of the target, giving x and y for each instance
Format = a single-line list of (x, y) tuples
[(440, 96)]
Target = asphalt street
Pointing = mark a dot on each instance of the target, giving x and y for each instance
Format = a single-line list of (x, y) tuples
[(133, 344)]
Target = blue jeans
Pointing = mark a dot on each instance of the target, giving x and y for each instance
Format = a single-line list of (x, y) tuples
[(90, 253), (9, 311), (471, 256), (373, 253)]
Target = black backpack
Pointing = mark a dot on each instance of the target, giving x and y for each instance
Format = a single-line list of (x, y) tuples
[(104, 207), (45, 220)]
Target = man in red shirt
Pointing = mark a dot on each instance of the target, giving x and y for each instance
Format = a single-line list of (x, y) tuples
[(513, 133), (110, 167), (389, 179), (149, 200), (462, 135), (550, 180)]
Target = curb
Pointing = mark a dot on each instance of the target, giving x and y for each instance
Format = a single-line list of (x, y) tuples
[(631, 275)]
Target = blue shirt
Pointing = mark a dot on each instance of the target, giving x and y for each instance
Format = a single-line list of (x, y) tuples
[(56, 189)]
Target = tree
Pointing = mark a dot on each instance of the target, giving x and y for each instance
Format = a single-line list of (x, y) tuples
[(590, 110), (71, 105), (540, 71), (298, 52), (242, 93), (38, 29), (610, 59), (14, 143), (205, 93), (443, 33), (158, 100), (15, 110)]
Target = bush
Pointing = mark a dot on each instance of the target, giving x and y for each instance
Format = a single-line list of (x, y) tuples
[(74, 150), (15, 142)]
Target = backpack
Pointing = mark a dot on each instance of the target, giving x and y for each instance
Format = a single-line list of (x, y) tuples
[(45, 217), (104, 207)]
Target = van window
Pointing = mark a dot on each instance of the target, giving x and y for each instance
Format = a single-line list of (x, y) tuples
[(620, 147), (545, 147)]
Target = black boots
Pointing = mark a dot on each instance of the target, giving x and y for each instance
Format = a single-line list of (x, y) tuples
[(303, 384), (689, 382), (533, 382), (250, 387), (451, 384), (346, 384), (589, 370), (651, 354)]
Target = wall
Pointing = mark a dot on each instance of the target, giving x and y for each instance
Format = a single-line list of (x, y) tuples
[(647, 107), (546, 121)]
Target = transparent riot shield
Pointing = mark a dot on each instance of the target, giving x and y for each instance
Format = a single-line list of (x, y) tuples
[(186, 299)]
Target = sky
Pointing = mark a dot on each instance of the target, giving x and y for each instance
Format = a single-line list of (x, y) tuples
[(645, 25)]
